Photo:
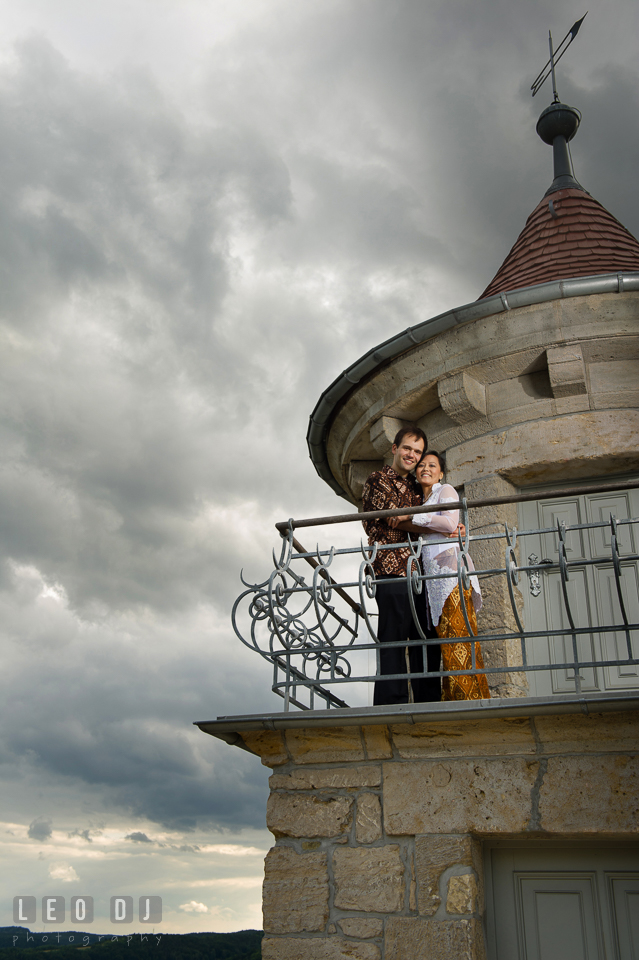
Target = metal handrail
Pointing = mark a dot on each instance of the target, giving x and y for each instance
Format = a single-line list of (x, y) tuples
[(310, 630), (284, 525)]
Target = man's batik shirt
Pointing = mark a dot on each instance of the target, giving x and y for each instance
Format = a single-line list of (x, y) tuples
[(386, 490)]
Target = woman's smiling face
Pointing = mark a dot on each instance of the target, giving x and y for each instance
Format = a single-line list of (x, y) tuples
[(429, 471)]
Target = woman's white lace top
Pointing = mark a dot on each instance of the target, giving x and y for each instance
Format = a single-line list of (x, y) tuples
[(439, 555)]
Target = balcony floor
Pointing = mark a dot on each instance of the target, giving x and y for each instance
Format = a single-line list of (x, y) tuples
[(229, 728)]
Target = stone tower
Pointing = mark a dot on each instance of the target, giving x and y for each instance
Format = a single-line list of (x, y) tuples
[(502, 828), (536, 383)]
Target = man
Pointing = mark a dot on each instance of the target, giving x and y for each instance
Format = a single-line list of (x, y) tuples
[(388, 489)]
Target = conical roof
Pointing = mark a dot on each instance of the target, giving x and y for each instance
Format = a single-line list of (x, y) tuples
[(569, 234)]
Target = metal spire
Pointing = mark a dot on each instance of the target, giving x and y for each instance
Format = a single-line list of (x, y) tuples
[(558, 123)]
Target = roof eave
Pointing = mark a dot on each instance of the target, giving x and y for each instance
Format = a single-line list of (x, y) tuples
[(333, 397)]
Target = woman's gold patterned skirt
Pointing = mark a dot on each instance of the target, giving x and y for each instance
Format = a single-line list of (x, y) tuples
[(458, 656)]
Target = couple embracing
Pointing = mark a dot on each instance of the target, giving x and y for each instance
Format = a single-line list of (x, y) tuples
[(438, 606)]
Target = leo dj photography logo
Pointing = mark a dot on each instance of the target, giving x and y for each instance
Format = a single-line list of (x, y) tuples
[(53, 910)]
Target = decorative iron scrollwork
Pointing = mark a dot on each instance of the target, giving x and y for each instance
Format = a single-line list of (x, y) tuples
[(313, 629)]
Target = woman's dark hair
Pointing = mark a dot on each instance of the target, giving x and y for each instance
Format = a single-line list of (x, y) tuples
[(440, 456)]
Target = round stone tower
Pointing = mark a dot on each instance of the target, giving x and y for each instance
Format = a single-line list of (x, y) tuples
[(535, 383), (485, 828)]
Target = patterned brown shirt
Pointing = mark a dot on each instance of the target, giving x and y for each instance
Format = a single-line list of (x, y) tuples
[(386, 490)]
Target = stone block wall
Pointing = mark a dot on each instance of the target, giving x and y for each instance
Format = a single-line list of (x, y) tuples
[(378, 828)]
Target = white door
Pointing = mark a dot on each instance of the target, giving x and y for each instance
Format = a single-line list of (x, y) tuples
[(562, 901), (592, 591)]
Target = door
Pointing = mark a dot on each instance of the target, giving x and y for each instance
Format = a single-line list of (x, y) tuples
[(592, 591), (562, 901)]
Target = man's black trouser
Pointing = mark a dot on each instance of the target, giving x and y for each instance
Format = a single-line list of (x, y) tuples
[(396, 624)]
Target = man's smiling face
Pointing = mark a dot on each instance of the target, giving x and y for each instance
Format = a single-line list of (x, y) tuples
[(406, 456)]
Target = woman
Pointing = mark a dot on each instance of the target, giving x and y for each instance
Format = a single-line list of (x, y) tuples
[(443, 595)]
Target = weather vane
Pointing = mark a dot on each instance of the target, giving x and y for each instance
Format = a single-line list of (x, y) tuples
[(555, 57)]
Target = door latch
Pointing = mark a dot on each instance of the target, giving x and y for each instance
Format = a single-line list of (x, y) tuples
[(534, 579)]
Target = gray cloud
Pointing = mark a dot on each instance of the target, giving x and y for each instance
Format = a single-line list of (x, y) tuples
[(118, 705), (138, 837), (120, 208), (83, 834), (40, 829), (184, 267)]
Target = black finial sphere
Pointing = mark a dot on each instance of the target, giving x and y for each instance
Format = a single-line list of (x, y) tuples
[(558, 120)]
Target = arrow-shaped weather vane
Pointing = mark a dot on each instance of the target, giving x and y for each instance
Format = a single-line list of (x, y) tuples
[(555, 57)]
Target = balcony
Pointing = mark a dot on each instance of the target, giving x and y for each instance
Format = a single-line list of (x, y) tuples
[(425, 799), (569, 623)]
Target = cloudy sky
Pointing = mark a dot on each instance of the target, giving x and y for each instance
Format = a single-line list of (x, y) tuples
[(208, 210)]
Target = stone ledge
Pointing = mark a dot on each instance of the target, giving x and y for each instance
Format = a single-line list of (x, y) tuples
[(485, 737), (334, 778), (371, 718), (377, 743), (326, 745), (595, 733), (268, 744)]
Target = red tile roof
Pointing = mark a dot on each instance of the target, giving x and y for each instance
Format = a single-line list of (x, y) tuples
[(582, 240)]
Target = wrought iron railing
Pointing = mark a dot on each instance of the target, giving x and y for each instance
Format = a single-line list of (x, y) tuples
[(318, 631)]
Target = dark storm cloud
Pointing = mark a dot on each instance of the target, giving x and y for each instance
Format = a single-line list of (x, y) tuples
[(460, 80), (103, 182), (146, 776), (180, 277), (116, 215), (422, 151), (606, 149), (118, 705)]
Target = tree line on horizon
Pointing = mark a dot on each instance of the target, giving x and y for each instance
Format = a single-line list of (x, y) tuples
[(241, 945)]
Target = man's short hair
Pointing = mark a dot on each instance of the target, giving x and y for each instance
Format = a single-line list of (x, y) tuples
[(410, 432)]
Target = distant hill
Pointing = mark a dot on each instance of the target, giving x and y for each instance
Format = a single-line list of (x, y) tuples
[(243, 945)]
